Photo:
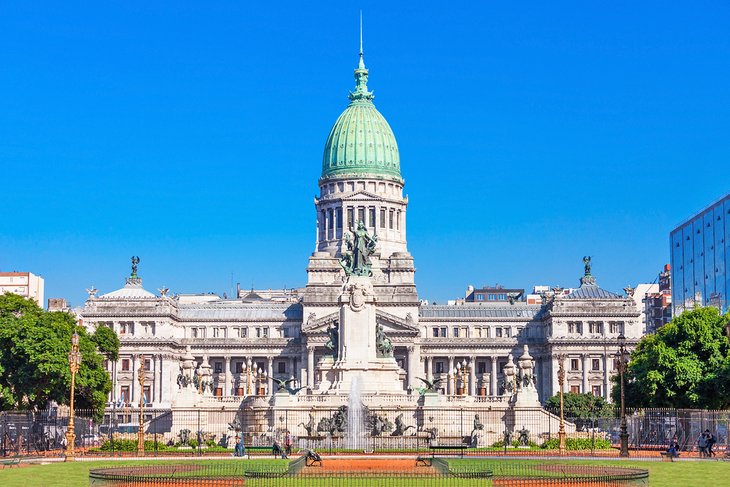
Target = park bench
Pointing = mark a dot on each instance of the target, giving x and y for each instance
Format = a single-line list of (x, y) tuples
[(262, 450), (441, 450), (9, 462)]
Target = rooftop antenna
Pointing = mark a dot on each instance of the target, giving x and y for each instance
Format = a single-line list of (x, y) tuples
[(360, 32)]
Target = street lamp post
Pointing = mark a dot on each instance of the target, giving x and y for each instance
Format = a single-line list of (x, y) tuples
[(624, 435), (248, 377), (456, 378), (561, 381), (140, 432), (74, 361)]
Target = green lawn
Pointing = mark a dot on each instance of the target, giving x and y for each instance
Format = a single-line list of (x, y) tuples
[(683, 474)]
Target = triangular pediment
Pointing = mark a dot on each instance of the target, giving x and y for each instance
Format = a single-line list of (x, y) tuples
[(361, 194), (392, 323)]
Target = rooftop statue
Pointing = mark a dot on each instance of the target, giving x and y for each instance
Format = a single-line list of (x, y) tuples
[(356, 260), (587, 263), (135, 263)]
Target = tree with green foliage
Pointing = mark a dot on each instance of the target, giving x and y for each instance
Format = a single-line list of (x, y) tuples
[(685, 364), (581, 409), (34, 347)]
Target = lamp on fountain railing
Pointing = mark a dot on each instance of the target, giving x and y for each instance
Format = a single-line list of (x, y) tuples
[(464, 377)]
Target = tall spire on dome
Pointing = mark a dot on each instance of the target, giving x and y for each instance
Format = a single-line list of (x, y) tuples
[(361, 76)]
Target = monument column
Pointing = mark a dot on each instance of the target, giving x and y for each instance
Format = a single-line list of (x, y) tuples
[(270, 373), (429, 368), (227, 376), (493, 377), (450, 382), (586, 360), (472, 375), (310, 366)]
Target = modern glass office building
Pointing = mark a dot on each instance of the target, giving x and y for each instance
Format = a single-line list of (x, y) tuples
[(700, 253)]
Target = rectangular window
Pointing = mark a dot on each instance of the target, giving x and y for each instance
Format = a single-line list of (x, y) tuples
[(481, 368), (124, 394), (390, 219), (147, 365), (480, 297), (435, 332), (350, 218), (218, 367), (492, 297), (281, 368), (382, 218), (595, 327), (575, 389), (330, 223), (361, 215), (265, 331), (443, 332), (218, 392), (596, 390), (596, 364), (371, 217), (508, 332), (125, 365), (285, 332), (242, 332), (258, 332), (147, 391), (239, 367), (193, 333), (574, 364), (439, 367), (397, 221), (339, 218), (456, 332), (215, 332), (498, 332)]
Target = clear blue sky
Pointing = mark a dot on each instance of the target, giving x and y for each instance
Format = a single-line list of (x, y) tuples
[(191, 134)]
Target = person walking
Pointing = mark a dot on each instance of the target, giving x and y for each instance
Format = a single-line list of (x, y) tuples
[(702, 445), (710, 438), (287, 443)]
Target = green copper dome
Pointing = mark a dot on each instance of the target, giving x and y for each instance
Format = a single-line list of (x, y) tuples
[(361, 143)]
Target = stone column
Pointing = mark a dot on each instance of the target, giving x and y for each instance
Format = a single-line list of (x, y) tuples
[(159, 374), (450, 378), (493, 377), (586, 360), (134, 385), (310, 367), (472, 375), (412, 363), (270, 372), (429, 368), (606, 393), (227, 375)]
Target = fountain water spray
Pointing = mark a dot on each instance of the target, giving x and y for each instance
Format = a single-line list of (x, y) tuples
[(355, 439)]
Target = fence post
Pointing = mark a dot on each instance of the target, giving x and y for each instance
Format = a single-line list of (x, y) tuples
[(200, 449)]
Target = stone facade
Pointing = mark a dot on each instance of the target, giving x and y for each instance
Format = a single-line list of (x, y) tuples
[(203, 350)]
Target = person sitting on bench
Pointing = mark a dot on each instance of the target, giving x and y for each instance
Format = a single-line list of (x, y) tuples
[(278, 450), (673, 450)]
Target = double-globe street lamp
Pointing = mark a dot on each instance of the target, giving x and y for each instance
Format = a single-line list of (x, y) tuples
[(74, 362), (561, 381), (623, 435), (140, 379)]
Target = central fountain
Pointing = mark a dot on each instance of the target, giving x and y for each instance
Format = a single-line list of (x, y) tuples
[(355, 438)]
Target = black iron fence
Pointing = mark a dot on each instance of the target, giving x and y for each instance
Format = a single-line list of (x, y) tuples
[(442, 474), (480, 431)]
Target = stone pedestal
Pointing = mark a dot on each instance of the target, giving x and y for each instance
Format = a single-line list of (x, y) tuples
[(357, 354), (432, 399)]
